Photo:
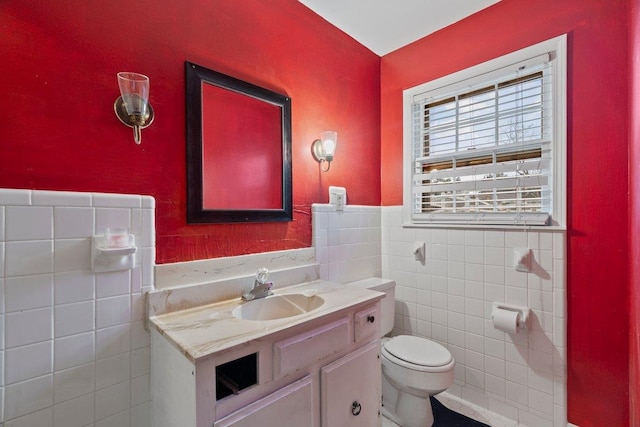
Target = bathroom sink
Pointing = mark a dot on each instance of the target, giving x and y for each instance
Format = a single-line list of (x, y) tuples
[(277, 307)]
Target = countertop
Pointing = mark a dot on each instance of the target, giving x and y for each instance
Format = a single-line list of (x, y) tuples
[(201, 331)]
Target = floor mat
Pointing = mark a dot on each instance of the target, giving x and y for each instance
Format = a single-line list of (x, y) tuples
[(445, 417)]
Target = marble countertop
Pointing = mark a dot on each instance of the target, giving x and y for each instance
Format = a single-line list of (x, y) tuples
[(201, 331)]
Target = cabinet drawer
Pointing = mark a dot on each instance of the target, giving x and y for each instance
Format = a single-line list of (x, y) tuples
[(305, 349), (367, 322), (295, 400)]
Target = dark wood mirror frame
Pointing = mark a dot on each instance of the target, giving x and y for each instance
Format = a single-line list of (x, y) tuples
[(265, 123)]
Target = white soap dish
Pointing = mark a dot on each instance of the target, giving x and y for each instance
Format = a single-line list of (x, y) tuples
[(116, 251), (105, 258)]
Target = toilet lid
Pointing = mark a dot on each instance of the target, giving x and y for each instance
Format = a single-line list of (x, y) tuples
[(417, 350)]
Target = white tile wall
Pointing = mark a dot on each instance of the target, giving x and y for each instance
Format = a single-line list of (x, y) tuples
[(73, 350), (347, 242), (449, 296)]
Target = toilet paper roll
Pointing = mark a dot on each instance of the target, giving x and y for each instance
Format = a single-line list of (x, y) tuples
[(505, 320)]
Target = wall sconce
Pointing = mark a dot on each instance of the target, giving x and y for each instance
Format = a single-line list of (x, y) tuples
[(132, 107), (323, 149)]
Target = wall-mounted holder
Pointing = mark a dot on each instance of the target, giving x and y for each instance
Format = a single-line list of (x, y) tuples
[(105, 258), (522, 258), (510, 318), (419, 251)]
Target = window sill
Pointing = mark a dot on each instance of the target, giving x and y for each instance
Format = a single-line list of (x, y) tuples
[(542, 228)]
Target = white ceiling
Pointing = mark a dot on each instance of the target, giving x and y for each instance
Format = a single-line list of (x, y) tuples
[(386, 25)]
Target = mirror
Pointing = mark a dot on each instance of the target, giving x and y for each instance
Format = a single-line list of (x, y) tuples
[(238, 150)]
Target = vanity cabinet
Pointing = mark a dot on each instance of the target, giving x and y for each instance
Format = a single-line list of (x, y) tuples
[(324, 372), (349, 397)]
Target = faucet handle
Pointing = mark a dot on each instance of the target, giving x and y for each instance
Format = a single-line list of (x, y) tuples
[(261, 275)]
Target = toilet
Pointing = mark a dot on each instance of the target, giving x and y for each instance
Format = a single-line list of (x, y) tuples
[(413, 368)]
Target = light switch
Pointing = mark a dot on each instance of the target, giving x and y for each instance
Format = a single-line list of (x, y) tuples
[(338, 197)]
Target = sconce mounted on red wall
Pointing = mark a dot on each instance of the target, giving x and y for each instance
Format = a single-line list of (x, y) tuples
[(324, 149), (132, 107)]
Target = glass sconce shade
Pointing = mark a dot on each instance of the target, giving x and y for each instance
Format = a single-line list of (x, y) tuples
[(132, 107), (324, 149), (329, 142), (134, 89)]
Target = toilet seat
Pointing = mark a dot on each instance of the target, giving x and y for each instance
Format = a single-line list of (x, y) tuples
[(419, 354)]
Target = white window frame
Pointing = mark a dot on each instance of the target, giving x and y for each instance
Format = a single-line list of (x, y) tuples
[(557, 48)]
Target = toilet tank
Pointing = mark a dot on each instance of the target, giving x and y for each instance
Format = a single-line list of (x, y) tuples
[(387, 304)]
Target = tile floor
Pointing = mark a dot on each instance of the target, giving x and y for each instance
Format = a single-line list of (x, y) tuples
[(386, 422)]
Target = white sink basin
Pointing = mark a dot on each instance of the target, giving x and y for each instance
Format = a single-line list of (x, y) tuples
[(277, 307)]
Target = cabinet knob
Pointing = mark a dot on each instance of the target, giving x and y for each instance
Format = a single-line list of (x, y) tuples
[(356, 408), (371, 319)]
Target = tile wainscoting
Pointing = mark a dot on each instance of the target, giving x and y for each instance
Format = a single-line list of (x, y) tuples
[(73, 350), (448, 298)]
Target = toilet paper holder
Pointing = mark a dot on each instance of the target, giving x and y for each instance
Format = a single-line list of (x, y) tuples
[(523, 312)]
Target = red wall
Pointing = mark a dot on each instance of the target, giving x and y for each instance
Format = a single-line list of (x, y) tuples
[(597, 263), (58, 130), (634, 191)]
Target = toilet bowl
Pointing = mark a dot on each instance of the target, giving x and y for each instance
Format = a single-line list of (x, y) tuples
[(413, 368)]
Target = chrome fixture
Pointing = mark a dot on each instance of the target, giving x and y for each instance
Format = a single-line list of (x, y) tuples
[(261, 288)]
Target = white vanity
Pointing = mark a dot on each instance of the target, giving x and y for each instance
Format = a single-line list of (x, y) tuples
[(306, 356)]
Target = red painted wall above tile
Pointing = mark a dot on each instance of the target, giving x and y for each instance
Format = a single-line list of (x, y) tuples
[(58, 130), (598, 212), (634, 210)]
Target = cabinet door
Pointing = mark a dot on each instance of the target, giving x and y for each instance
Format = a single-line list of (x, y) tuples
[(291, 406), (350, 389), (307, 348)]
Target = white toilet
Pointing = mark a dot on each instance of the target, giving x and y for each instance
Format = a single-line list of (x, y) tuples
[(413, 368)]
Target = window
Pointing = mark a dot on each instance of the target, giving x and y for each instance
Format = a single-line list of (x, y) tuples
[(486, 145)]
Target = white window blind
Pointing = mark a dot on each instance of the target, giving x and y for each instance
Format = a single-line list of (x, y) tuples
[(482, 152)]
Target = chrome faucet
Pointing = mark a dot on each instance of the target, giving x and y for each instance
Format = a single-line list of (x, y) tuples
[(261, 288)]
